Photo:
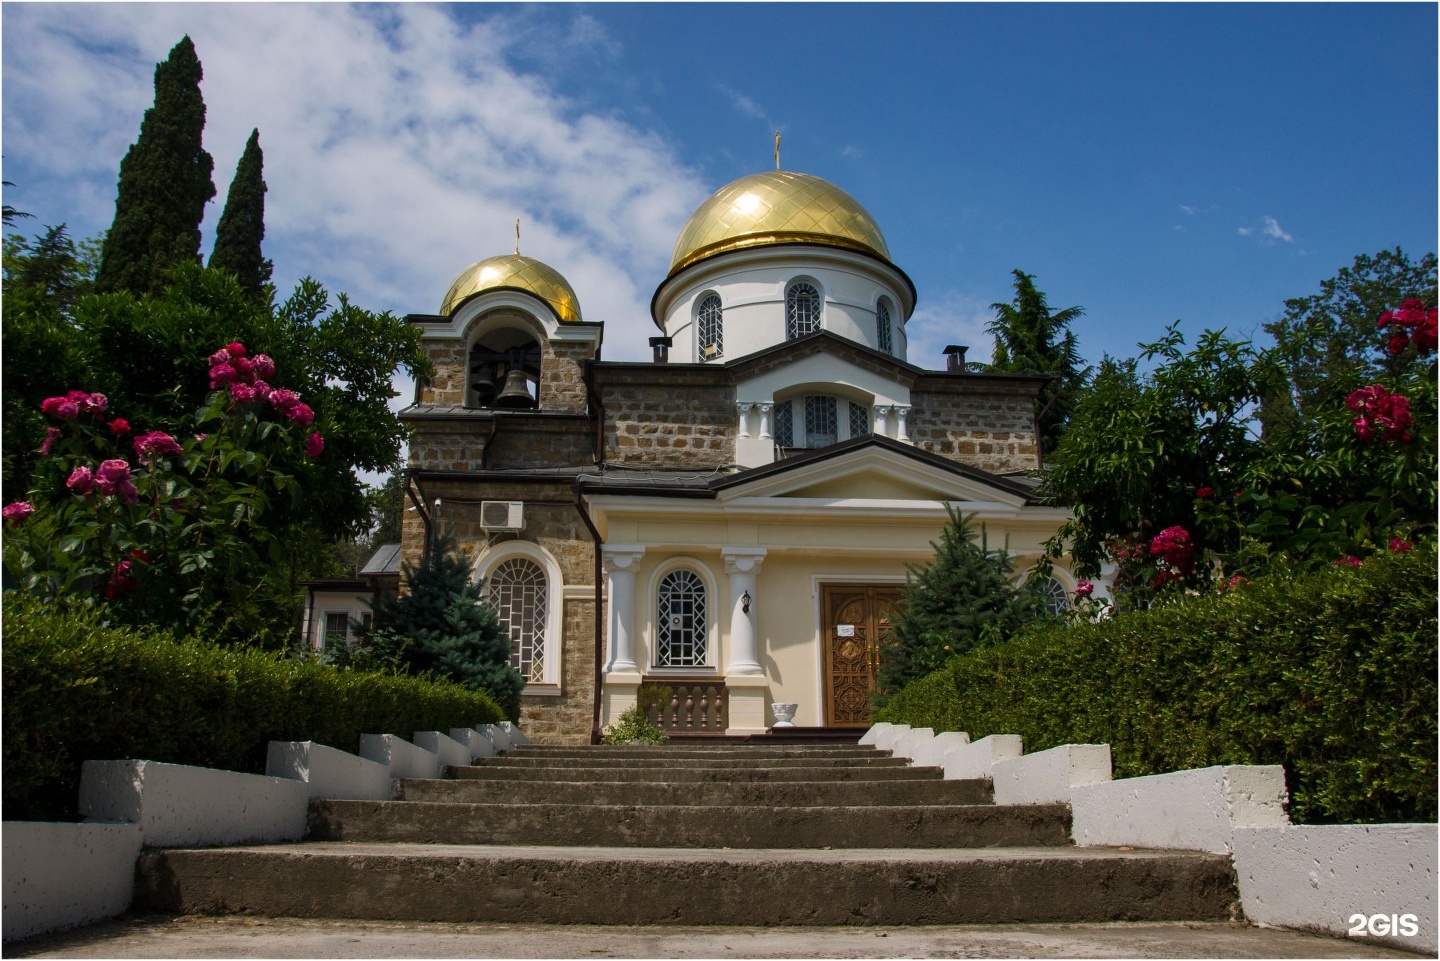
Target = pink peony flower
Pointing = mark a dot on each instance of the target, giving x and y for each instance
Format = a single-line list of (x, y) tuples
[(16, 513), (263, 366), (222, 374), (221, 356), (1397, 343), (244, 368), (1350, 561), (282, 399), (235, 349), (119, 426), (242, 393), (91, 403), (1383, 416), (1400, 545), (1084, 588), (301, 414), (52, 434), (81, 481), (155, 443), (1173, 544), (1205, 493), (121, 581), (314, 445), (61, 408), (112, 477)]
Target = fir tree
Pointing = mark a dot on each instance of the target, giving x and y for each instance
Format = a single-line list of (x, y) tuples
[(1030, 338), (963, 599), (164, 184), (442, 626), (242, 224)]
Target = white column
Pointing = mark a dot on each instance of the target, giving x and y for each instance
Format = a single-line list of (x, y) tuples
[(621, 564), (764, 420), (743, 564), (743, 410), (901, 413), (882, 420)]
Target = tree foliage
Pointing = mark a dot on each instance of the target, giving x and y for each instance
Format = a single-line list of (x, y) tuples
[(164, 184), (441, 626), (242, 224), (1030, 338), (962, 599)]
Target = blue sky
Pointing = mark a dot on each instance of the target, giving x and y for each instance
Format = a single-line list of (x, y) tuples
[(1150, 163)]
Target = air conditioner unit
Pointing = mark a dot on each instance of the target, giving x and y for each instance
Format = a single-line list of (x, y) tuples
[(502, 515)]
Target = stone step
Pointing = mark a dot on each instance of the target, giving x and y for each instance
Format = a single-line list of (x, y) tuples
[(664, 763), (630, 825), (766, 793), (688, 887), (681, 775), (675, 751)]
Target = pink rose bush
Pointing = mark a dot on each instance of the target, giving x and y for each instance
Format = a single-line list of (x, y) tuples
[(131, 516), (1384, 416)]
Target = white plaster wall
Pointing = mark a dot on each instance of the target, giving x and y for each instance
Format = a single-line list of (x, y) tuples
[(60, 876), (751, 285), (181, 806), (1196, 810), (1317, 877), (977, 761), (823, 374)]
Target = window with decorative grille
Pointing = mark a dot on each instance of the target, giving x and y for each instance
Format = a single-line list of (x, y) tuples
[(885, 338), (784, 429), (859, 420), (802, 310), (820, 421), (1054, 596), (518, 593), (681, 638), (712, 328)]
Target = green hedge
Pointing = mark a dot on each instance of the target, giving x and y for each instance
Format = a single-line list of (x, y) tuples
[(77, 691), (1331, 674)]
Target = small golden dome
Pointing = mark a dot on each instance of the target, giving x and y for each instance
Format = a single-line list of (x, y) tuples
[(777, 207), (520, 273)]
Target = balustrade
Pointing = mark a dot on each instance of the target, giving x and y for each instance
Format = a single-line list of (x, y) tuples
[(696, 706)]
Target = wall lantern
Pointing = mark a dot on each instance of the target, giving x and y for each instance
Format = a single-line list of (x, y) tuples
[(745, 602)]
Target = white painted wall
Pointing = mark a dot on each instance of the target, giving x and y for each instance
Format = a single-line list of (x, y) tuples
[(60, 876), (1318, 877), (1047, 777), (329, 773)]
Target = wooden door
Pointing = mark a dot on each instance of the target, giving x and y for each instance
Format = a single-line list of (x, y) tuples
[(856, 624)]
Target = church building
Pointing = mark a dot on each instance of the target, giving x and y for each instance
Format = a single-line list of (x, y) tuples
[(733, 518)]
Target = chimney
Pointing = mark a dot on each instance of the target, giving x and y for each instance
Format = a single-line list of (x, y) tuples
[(661, 347), (955, 358)]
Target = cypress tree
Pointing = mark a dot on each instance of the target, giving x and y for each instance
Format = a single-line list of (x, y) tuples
[(242, 224), (963, 599), (164, 184), (1030, 338), (443, 627)]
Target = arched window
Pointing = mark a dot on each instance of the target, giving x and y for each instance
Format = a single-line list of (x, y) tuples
[(712, 328), (802, 310), (519, 594), (1054, 596), (821, 426), (681, 620), (885, 337)]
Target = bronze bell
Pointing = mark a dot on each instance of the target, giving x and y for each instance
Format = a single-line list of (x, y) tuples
[(516, 395), (483, 385)]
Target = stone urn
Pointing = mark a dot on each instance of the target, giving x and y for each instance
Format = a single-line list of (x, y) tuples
[(784, 714)]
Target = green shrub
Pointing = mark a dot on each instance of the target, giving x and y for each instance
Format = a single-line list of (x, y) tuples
[(75, 690), (1331, 674)]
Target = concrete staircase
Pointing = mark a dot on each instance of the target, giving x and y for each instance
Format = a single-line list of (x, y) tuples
[(689, 834)]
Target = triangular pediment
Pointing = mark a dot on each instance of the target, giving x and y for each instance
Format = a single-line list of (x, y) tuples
[(873, 468)]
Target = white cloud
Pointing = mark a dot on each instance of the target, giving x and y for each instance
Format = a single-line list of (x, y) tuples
[(1244, 231), (1188, 209), (950, 317), (1273, 230), (400, 144)]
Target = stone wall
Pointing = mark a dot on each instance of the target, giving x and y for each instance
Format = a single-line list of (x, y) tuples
[(981, 423), (455, 439), (553, 523), (669, 417), (562, 385)]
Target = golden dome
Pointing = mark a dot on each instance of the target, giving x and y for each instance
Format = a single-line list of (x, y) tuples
[(519, 273), (777, 207)]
